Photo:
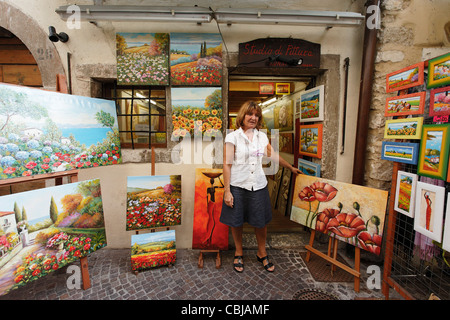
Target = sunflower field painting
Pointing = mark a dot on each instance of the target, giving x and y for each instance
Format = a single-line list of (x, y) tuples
[(46, 229), (350, 213)]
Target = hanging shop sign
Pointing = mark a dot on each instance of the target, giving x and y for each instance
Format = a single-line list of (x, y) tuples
[(279, 52)]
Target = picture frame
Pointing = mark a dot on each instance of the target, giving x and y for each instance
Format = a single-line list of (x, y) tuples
[(283, 88), (266, 88), (312, 104), (310, 140), (429, 210), (309, 168), (405, 193), (409, 128), (407, 104), (434, 151), (439, 71), (407, 77), (440, 102), (446, 236), (404, 152)]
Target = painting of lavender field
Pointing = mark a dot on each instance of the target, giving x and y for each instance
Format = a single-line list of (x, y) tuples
[(45, 132), (196, 59), (45, 229)]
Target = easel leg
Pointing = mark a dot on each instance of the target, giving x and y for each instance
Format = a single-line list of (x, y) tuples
[(218, 260), (85, 273), (335, 247), (357, 266), (200, 260), (311, 242)]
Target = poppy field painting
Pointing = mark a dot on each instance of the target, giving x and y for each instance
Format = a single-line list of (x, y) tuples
[(351, 213), (45, 229), (153, 201), (45, 132), (151, 250)]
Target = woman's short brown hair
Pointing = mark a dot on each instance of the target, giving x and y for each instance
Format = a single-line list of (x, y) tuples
[(247, 108)]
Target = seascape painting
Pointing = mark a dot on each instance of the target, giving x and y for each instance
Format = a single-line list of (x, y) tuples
[(196, 59), (45, 229), (153, 201), (351, 213), (152, 250), (142, 58), (44, 132)]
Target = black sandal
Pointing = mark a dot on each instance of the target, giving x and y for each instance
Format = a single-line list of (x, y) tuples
[(266, 266), (240, 263)]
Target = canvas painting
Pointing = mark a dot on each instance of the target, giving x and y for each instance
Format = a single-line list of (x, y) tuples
[(439, 71), (45, 229), (152, 250), (309, 168), (434, 151), (409, 128), (208, 232), (405, 78), (440, 101), (312, 104), (196, 59), (405, 195), (405, 104), (404, 152), (286, 142), (44, 132), (153, 201), (351, 213), (446, 239), (196, 111), (268, 121), (283, 115), (142, 58), (429, 210), (311, 140)]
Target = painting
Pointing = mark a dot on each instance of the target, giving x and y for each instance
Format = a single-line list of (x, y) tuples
[(429, 210), (286, 142), (407, 104), (275, 186), (196, 111), (310, 143), (282, 88), (208, 232), (446, 239), (284, 192), (439, 71), (283, 115), (405, 194), (45, 132), (45, 229), (152, 250), (142, 58), (196, 59), (409, 128), (266, 88), (434, 151), (351, 213), (404, 152), (312, 104), (309, 168), (405, 78), (440, 102), (268, 121)]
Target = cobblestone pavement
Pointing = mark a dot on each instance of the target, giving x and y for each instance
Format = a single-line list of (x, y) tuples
[(112, 279)]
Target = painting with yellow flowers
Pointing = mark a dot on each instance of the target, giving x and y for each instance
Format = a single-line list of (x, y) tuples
[(196, 111), (350, 213)]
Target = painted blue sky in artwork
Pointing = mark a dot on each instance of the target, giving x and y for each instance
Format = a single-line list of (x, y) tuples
[(191, 42), (153, 237), (137, 39), (436, 141), (147, 182)]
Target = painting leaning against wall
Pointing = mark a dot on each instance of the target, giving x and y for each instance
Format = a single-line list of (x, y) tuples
[(44, 132), (46, 229)]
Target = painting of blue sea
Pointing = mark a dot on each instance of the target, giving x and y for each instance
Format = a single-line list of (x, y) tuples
[(45, 132)]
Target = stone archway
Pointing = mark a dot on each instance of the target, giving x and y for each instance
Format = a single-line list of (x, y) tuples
[(31, 34)]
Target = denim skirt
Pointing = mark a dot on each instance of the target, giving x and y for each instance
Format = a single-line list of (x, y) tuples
[(252, 207)]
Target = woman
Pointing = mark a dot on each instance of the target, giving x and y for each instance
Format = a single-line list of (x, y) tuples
[(246, 197)]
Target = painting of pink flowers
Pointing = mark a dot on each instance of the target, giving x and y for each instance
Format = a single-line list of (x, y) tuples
[(351, 213), (153, 201), (142, 58), (43, 230)]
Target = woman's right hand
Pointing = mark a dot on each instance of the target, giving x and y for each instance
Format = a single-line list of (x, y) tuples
[(228, 198)]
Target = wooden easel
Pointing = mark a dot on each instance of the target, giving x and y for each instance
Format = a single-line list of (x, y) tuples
[(331, 257), (218, 258)]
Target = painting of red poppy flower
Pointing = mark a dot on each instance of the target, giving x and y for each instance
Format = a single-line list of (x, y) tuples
[(350, 213)]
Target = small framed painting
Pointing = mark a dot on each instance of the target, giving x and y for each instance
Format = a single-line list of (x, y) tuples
[(434, 150), (439, 71), (405, 104), (309, 168), (405, 194), (429, 210), (440, 102), (446, 240), (312, 104), (311, 140), (266, 88), (404, 152), (409, 128), (405, 78), (283, 88)]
